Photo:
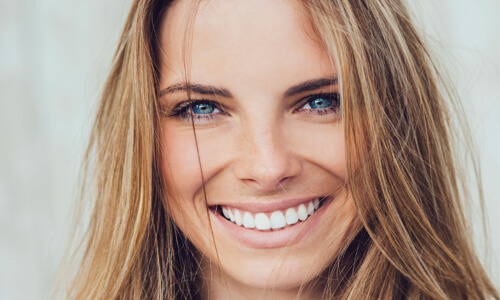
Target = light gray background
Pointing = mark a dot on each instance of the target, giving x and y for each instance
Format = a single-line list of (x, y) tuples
[(54, 56)]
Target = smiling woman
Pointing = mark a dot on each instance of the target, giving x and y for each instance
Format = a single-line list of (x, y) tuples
[(274, 150), (269, 139)]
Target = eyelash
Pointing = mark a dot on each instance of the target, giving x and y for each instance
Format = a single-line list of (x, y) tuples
[(334, 97), (184, 110)]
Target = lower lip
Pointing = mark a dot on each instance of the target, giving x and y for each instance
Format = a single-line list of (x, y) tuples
[(274, 238)]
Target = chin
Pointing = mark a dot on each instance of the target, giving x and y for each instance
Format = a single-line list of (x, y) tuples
[(291, 267), (286, 276)]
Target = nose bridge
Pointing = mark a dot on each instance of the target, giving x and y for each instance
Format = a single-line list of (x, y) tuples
[(266, 160), (266, 141)]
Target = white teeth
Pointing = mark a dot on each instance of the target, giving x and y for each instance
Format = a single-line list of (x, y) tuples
[(262, 221), (248, 221), (237, 218), (291, 216), (310, 208), (224, 212), (277, 220), (316, 204), (302, 212), (231, 217)]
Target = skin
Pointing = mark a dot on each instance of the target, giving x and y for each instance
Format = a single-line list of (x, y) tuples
[(262, 147)]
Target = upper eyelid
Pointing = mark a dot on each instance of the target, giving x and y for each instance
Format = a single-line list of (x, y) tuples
[(307, 98), (320, 94)]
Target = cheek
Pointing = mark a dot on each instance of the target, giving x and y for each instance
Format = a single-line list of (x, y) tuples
[(180, 166), (182, 181), (179, 162), (180, 172), (322, 145), (181, 157)]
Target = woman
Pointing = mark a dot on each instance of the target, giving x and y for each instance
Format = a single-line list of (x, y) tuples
[(275, 150)]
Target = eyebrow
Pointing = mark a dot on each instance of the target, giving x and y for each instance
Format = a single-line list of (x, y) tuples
[(310, 85), (196, 88), (305, 86)]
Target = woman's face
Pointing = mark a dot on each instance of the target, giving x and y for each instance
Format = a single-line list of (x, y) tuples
[(269, 140)]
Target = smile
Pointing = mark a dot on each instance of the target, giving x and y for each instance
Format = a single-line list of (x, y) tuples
[(270, 224), (271, 220)]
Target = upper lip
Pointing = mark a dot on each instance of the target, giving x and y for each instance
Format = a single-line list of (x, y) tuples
[(268, 205)]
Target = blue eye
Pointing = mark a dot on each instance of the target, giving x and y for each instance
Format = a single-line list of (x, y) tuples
[(321, 102), (202, 108), (201, 111)]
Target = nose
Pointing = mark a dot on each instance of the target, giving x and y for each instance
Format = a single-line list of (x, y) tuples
[(266, 161)]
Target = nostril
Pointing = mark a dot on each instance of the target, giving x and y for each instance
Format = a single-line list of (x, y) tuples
[(268, 184), (283, 182), (268, 163)]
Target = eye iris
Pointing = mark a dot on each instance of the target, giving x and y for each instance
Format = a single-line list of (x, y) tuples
[(320, 103), (202, 108)]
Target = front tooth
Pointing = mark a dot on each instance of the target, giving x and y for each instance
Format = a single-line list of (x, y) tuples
[(248, 221), (291, 216), (231, 216), (237, 217), (262, 222), (316, 204), (277, 220), (302, 212), (224, 212), (310, 208)]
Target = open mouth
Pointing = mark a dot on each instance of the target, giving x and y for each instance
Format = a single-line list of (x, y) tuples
[(270, 221)]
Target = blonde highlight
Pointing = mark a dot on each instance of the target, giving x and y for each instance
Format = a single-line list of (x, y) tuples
[(415, 242)]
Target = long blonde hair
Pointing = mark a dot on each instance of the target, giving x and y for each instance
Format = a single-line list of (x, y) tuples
[(404, 179)]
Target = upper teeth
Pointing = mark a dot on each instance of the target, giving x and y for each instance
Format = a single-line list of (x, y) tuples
[(274, 220)]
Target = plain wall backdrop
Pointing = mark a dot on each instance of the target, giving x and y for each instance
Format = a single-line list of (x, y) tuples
[(54, 56)]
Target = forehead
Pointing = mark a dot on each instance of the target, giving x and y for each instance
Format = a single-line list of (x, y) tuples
[(253, 42)]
